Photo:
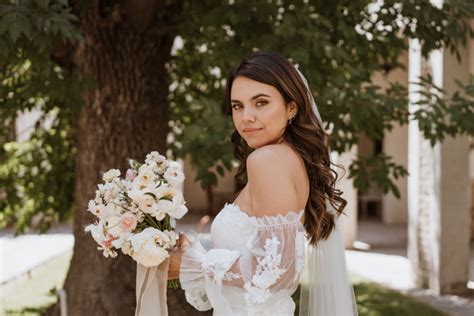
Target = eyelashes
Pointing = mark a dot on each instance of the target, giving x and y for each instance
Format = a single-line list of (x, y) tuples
[(259, 104)]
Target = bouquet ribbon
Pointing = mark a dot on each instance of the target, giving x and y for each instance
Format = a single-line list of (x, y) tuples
[(151, 285)]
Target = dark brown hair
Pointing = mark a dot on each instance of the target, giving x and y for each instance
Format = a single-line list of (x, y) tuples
[(304, 134)]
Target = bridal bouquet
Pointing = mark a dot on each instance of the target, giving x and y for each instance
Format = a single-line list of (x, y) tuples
[(137, 214)]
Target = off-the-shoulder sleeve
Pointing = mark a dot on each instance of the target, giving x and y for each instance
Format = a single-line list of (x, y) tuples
[(271, 262)]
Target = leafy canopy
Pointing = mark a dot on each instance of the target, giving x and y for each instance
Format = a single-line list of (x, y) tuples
[(338, 44)]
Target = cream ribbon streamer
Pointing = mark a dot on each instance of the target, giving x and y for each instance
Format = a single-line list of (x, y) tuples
[(151, 286)]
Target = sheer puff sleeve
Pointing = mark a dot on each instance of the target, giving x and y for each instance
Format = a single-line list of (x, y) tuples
[(270, 262)]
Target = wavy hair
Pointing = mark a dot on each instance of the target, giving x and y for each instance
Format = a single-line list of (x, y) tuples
[(304, 134)]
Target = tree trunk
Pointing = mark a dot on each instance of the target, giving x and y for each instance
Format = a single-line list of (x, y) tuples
[(125, 115)]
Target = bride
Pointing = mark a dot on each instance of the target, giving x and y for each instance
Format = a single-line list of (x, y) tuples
[(282, 230)]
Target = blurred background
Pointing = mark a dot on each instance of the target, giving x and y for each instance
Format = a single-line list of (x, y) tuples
[(86, 85)]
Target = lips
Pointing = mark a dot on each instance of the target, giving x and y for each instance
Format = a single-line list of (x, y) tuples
[(249, 130)]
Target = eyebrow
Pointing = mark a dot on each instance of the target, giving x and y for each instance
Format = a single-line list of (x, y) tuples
[(254, 97)]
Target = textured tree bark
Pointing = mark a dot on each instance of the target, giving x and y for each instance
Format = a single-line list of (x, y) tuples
[(125, 115)]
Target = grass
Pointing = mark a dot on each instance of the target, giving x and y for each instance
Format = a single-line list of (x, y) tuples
[(32, 294), (375, 300)]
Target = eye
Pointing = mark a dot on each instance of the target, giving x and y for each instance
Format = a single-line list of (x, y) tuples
[(262, 103), (235, 106)]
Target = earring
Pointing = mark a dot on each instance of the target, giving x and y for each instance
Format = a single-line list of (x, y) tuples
[(291, 119)]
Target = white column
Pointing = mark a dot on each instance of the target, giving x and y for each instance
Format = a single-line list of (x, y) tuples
[(413, 181), (453, 184), (439, 197)]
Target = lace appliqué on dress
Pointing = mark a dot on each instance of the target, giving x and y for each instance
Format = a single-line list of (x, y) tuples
[(218, 262), (267, 272), (229, 276), (299, 253)]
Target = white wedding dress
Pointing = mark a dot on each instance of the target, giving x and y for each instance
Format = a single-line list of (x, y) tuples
[(251, 266), (248, 265)]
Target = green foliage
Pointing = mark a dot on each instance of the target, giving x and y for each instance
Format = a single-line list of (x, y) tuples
[(439, 116), (32, 29), (38, 175), (378, 170), (204, 134), (338, 45)]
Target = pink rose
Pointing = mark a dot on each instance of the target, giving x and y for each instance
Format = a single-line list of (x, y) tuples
[(128, 221)]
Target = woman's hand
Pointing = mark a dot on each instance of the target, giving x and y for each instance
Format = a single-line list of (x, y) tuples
[(175, 257)]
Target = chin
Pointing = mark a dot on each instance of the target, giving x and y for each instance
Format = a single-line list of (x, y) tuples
[(255, 144)]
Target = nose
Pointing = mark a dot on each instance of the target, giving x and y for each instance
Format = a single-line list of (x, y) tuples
[(249, 114)]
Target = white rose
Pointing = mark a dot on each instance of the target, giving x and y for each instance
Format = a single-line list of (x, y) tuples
[(150, 255), (145, 248), (111, 174)]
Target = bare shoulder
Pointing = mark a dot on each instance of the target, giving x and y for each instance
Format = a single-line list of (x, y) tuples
[(279, 157), (271, 181)]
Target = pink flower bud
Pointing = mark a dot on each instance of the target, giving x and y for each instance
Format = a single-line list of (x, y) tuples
[(130, 175)]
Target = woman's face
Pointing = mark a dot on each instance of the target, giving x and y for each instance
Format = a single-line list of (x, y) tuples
[(259, 112)]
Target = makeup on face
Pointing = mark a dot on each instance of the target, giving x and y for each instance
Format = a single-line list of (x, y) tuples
[(258, 111)]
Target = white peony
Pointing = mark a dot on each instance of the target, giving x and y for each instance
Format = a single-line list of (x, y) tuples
[(111, 175), (146, 249)]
